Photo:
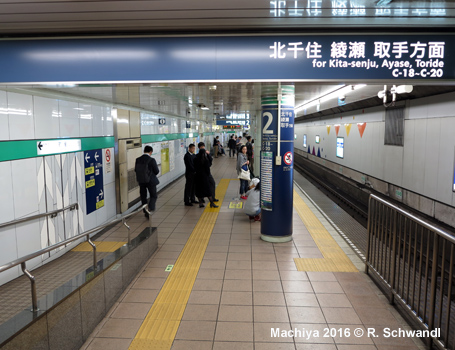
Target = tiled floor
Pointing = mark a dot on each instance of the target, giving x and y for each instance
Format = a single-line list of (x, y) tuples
[(246, 287)]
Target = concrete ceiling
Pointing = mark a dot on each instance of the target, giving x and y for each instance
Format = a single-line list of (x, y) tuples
[(107, 17)]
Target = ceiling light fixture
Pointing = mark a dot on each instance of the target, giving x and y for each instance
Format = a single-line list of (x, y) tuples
[(334, 94), (203, 107), (393, 92)]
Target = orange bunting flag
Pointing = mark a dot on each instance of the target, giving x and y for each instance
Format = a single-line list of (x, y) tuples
[(328, 129), (337, 129), (361, 127), (348, 128)]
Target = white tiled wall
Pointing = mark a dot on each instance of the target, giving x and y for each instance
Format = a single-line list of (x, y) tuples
[(20, 114), (46, 116), (424, 165), (38, 185), (4, 119), (69, 120)]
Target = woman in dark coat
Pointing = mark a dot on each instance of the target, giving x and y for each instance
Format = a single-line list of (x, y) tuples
[(202, 178)]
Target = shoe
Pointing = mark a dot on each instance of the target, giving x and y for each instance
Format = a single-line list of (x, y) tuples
[(147, 215), (201, 205), (243, 197), (213, 205), (257, 218), (216, 200), (251, 217), (188, 204)]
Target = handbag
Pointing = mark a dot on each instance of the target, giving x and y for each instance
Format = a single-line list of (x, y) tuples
[(244, 175)]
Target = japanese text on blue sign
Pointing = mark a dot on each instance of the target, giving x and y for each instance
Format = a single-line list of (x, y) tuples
[(402, 58)]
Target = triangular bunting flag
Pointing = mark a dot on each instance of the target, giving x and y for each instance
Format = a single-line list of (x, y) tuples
[(337, 129), (309, 149), (361, 127), (314, 153), (319, 152), (348, 128), (328, 129)]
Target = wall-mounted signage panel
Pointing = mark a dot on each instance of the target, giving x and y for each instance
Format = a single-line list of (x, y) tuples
[(94, 185), (229, 127), (57, 146), (301, 57), (232, 122), (340, 147)]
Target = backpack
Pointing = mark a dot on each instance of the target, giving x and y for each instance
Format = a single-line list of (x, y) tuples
[(142, 171)]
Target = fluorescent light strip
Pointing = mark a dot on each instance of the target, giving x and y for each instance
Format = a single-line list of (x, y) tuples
[(329, 96)]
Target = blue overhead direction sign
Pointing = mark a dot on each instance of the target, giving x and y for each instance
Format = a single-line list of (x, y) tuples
[(426, 57)]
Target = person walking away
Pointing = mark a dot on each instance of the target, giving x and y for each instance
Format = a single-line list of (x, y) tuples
[(231, 146), (252, 205), (215, 146), (146, 170), (242, 161), (249, 152), (202, 180), (189, 195)]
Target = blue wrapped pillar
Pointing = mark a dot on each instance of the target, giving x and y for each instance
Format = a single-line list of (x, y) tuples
[(277, 154)]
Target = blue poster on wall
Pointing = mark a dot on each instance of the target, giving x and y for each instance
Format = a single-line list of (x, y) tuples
[(94, 194)]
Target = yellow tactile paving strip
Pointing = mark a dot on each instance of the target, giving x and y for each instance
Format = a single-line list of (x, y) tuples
[(335, 260), (162, 321), (103, 247)]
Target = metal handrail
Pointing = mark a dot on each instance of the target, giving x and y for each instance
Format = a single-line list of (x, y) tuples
[(39, 216), (415, 218), (415, 261), (22, 261)]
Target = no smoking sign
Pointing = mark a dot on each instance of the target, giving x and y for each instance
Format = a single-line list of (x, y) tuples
[(108, 155), (287, 158)]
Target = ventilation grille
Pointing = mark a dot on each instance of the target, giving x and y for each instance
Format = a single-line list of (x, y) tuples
[(132, 183), (394, 127)]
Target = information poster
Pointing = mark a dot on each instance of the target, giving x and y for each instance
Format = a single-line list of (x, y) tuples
[(93, 166), (266, 180), (165, 166), (453, 188), (171, 156)]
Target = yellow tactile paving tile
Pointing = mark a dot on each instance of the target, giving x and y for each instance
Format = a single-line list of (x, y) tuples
[(162, 321), (335, 260), (104, 247)]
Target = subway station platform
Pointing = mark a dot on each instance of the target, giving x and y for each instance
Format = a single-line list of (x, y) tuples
[(228, 289)]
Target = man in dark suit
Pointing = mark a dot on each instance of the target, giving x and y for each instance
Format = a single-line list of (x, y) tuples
[(189, 197), (146, 170)]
